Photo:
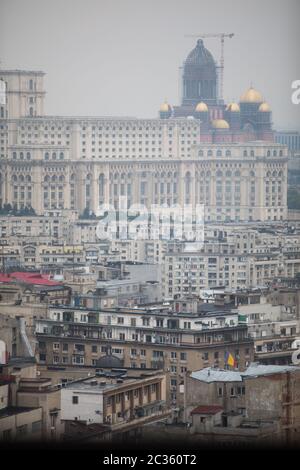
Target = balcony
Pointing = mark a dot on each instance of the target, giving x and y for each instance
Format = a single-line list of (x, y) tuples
[(79, 353)]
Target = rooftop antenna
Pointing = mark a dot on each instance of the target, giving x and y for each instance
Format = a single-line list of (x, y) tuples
[(222, 37)]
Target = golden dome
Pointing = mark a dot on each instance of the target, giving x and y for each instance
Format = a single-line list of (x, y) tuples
[(264, 108), (251, 96), (233, 107), (201, 107), (220, 124), (164, 107)]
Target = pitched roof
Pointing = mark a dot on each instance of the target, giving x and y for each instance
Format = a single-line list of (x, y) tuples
[(256, 370), (210, 374), (207, 410), (29, 278), (4, 278)]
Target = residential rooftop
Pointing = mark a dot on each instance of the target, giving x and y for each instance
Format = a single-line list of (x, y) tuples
[(210, 374)]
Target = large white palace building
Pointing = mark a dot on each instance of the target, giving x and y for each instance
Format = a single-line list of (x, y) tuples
[(53, 162)]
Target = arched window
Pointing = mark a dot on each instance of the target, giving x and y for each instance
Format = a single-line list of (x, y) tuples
[(280, 153), (200, 153), (228, 153), (219, 174), (209, 153), (28, 156), (245, 153), (28, 179), (54, 156), (237, 173), (61, 155), (14, 155), (47, 156), (274, 153), (219, 153), (228, 173), (21, 156), (31, 111), (30, 84), (268, 153)]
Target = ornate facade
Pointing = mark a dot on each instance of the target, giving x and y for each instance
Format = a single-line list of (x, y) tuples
[(55, 163), (251, 119)]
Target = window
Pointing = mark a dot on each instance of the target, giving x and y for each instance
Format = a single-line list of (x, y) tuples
[(36, 426), (75, 400), (7, 435), (183, 356), (22, 430), (220, 391), (205, 356), (94, 349)]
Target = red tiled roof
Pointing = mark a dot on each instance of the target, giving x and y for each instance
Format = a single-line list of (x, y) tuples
[(29, 278), (5, 278), (207, 410)]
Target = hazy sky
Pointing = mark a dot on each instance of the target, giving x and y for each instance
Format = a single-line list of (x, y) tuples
[(122, 57)]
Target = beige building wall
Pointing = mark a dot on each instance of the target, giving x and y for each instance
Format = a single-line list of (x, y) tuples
[(77, 163)]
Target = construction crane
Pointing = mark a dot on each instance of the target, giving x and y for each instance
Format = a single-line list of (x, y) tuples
[(222, 37)]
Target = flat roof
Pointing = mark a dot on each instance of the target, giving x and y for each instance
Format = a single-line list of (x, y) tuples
[(21, 71), (15, 410), (98, 384)]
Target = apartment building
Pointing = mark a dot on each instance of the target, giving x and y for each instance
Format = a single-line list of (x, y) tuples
[(260, 404), (121, 399), (145, 338)]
